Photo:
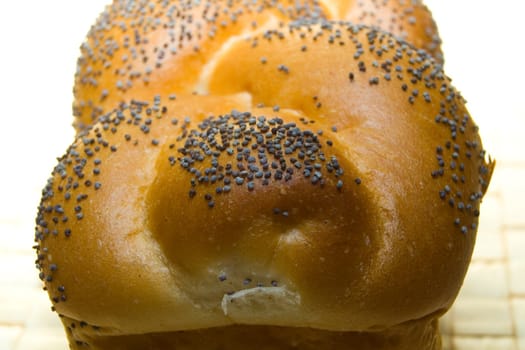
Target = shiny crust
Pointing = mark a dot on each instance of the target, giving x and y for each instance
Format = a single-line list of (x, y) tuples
[(145, 48), (325, 181)]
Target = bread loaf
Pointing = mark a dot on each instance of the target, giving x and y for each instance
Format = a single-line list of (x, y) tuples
[(280, 181)]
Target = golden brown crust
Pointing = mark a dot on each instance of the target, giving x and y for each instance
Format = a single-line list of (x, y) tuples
[(141, 48), (366, 242), (408, 20), (326, 180)]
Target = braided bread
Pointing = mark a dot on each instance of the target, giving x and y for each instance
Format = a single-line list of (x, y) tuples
[(261, 175)]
